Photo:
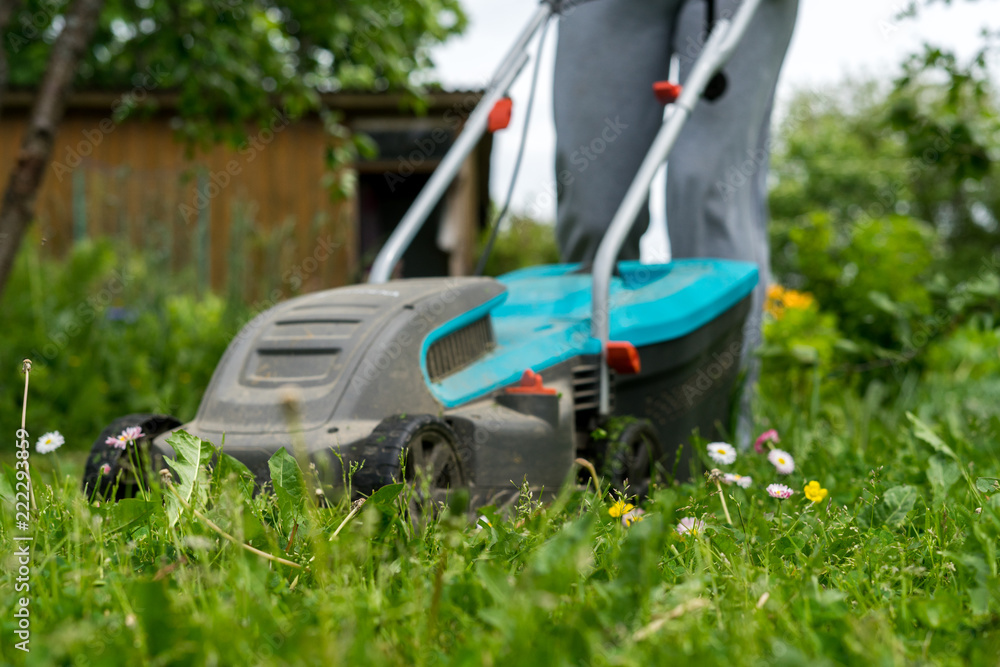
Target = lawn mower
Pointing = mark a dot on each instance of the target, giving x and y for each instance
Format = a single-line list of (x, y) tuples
[(485, 383)]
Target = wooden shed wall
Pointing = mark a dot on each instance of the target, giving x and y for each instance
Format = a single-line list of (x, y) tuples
[(267, 221), (133, 182)]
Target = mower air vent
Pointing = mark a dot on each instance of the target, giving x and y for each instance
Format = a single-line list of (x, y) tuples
[(585, 388), (459, 349)]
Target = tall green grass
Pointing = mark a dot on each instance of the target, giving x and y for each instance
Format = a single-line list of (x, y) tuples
[(899, 565)]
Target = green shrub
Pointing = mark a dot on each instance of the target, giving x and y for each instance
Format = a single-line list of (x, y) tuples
[(106, 338), (521, 242)]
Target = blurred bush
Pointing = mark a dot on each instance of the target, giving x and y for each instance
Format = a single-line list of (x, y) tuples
[(106, 338), (521, 242)]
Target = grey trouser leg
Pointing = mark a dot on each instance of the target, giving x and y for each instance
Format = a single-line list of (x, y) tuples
[(716, 178), (609, 54)]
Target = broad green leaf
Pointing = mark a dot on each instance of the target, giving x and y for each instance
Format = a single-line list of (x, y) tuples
[(987, 484), (7, 479), (188, 453), (942, 473), (127, 513), (289, 487), (897, 503), (384, 496), (228, 468), (923, 432)]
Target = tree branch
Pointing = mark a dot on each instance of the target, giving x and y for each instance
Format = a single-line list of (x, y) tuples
[(26, 177)]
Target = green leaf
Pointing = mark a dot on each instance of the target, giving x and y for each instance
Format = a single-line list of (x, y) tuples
[(228, 467), (289, 487), (987, 484), (923, 432), (8, 477), (897, 503), (186, 465), (127, 513), (942, 473), (384, 496)]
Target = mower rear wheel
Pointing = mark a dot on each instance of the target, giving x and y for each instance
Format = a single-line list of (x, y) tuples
[(411, 449), (109, 471), (632, 458)]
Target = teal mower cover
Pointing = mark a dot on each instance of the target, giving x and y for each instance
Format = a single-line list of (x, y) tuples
[(544, 317)]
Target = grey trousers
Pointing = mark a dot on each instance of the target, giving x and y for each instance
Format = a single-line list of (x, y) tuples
[(609, 54)]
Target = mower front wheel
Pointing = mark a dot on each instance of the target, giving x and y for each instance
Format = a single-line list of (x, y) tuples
[(110, 471)]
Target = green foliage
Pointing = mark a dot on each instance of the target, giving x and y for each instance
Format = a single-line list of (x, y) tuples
[(872, 276), (190, 453), (233, 64), (107, 337), (924, 147), (521, 242), (289, 489), (898, 565)]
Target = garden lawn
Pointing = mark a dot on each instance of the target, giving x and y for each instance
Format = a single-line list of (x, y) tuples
[(897, 565)]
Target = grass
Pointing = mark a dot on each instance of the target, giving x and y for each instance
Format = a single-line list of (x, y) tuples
[(897, 566)]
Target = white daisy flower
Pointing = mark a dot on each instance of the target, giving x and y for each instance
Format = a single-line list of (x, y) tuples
[(722, 453), (782, 461), (689, 524), (50, 442), (743, 481)]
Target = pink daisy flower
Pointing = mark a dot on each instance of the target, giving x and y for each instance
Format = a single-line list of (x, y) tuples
[(779, 491), (767, 436), (122, 440)]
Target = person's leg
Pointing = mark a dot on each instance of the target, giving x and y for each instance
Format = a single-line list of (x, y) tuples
[(716, 179), (609, 54)]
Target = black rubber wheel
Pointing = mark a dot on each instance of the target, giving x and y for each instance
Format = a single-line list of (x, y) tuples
[(632, 457), (118, 477), (430, 448)]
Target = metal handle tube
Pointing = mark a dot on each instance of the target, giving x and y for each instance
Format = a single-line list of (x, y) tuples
[(445, 172), (717, 51)]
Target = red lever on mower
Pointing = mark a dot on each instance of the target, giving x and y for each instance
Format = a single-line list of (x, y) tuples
[(666, 92), (531, 383), (623, 357), (500, 114)]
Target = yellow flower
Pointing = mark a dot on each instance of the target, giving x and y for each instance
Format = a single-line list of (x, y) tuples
[(773, 305), (814, 492), (633, 517), (780, 298), (619, 508), (797, 300)]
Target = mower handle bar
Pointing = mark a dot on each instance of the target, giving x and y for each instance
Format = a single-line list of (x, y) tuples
[(467, 139), (717, 51), (512, 64)]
